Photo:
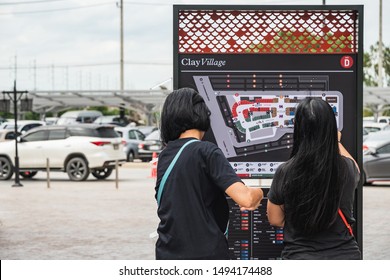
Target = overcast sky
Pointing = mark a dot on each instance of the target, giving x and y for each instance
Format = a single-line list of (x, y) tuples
[(74, 44)]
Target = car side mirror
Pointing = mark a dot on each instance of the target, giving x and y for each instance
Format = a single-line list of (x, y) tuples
[(19, 139), (371, 151)]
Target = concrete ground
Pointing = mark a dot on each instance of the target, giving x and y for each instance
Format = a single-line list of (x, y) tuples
[(94, 220), (83, 221)]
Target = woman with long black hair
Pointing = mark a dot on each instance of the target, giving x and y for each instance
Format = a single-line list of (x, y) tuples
[(309, 189)]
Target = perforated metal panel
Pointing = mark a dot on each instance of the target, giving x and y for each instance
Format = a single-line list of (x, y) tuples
[(232, 31)]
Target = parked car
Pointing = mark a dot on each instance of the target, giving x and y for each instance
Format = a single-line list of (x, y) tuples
[(3, 120), (146, 130), (7, 134), (365, 133), (23, 125), (151, 144), (51, 120), (375, 126), (77, 150), (74, 117), (368, 119), (115, 120), (376, 157), (132, 137), (384, 119)]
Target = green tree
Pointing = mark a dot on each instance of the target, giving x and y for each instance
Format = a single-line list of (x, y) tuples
[(370, 65), (31, 116), (386, 112), (370, 71), (368, 77), (367, 112)]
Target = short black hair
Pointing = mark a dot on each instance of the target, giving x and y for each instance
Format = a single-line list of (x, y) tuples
[(183, 109)]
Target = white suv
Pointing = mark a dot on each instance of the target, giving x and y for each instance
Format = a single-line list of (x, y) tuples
[(384, 119), (76, 150)]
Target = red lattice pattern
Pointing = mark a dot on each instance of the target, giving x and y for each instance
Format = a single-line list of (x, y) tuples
[(268, 32)]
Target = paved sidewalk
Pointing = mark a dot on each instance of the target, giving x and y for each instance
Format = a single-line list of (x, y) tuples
[(93, 220), (89, 220)]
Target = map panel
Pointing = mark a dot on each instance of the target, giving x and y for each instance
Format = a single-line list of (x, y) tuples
[(255, 114)]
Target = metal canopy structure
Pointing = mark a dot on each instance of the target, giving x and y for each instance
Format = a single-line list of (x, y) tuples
[(55, 101), (145, 100), (376, 96)]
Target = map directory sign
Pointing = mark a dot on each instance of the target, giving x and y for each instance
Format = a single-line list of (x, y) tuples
[(259, 121), (253, 65)]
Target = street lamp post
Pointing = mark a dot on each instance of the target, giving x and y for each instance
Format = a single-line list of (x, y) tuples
[(121, 62), (380, 48), (14, 98)]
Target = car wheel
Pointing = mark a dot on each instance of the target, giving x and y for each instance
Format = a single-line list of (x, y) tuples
[(28, 174), (77, 169), (102, 173), (6, 168), (130, 157)]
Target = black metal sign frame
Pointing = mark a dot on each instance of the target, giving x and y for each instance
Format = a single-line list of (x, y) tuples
[(320, 53)]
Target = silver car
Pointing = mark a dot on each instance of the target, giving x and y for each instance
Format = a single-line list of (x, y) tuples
[(152, 145), (132, 136), (376, 157)]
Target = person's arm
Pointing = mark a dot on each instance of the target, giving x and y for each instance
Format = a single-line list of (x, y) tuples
[(248, 198), (344, 152), (275, 214)]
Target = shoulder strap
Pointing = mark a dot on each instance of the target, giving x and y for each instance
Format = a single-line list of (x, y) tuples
[(169, 169), (345, 222)]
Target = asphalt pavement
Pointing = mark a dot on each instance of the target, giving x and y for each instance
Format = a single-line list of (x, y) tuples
[(103, 220)]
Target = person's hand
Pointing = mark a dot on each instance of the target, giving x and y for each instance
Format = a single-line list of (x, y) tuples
[(259, 197), (338, 135), (249, 208)]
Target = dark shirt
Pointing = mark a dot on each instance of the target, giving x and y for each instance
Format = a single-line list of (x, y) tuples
[(193, 210), (334, 243)]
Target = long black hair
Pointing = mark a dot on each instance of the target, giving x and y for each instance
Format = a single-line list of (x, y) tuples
[(183, 109), (315, 171)]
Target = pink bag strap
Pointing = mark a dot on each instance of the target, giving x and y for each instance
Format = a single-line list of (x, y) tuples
[(345, 222)]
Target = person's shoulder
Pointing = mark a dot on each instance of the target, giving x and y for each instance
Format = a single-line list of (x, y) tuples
[(349, 163), (347, 160), (206, 147), (281, 169)]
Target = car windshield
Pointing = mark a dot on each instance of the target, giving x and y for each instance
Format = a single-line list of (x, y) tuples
[(147, 129), (155, 135), (101, 132), (106, 132)]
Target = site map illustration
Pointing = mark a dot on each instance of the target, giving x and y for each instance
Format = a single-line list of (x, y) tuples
[(255, 115)]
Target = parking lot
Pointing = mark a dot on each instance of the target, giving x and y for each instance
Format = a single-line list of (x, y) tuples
[(94, 220)]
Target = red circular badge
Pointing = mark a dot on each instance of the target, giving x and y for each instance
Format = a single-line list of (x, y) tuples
[(346, 61)]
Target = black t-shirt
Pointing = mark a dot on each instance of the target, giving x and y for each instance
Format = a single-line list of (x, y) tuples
[(334, 243), (193, 209)]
